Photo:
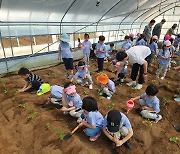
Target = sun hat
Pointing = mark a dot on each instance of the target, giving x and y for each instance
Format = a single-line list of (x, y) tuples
[(71, 89), (155, 37), (167, 37), (113, 121), (44, 88), (131, 35), (138, 34), (64, 38), (102, 78), (167, 43)]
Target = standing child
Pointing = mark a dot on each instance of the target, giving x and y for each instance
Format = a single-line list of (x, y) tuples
[(164, 59), (33, 81), (149, 103), (55, 94), (82, 76), (92, 118), (65, 52), (126, 45), (87, 47), (141, 40), (117, 128), (131, 37), (107, 85), (154, 49), (100, 53), (71, 101)]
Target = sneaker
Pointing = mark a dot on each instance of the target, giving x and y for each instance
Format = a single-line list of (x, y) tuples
[(90, 86), (94, 138), (162, 78), (109, 97), (158, 118), (121, 80), (132, 83), (65, 113), (79, 120), (139, 86), (101, 93), (128, 144)]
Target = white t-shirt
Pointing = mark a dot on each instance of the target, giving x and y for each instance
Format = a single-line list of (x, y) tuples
[(137, 54)]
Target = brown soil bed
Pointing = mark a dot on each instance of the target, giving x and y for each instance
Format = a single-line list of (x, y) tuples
[(28, 128)]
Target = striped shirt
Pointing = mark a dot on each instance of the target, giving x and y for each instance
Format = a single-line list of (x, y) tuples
[(32, 77)]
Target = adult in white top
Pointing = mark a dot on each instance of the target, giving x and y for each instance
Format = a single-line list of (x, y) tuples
[(136, 55)]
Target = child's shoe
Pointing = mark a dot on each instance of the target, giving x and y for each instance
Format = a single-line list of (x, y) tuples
[(132, 83), (139, 86), (65, 113), (159, 117), (90, 86), (162, 78), (121, 80), (94, 138), (109, 97)]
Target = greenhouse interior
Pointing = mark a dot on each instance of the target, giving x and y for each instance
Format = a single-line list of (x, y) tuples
[(31, 34)]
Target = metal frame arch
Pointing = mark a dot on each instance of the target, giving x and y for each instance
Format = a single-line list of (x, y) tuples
[(158, 14)]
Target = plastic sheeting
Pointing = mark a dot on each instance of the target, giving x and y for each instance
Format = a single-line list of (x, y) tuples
[(41, 17)]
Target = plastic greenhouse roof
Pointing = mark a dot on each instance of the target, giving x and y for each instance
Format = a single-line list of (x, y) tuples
[(78, 14)]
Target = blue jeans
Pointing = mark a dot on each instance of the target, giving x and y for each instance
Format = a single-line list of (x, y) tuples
[(92, 131)]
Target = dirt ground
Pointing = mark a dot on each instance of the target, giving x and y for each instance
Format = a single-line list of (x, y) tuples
[(26, 128)]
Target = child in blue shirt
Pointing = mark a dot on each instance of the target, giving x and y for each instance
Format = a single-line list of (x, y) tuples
[(100, 53), (154, 48), (164, 59), (141, 40), (82, 76), (92, 119), (117, 127), (65, 52), (87, 47), (111, 48), (107, 85), (55, 94), (126, 45), (71, 101), (149, 103)]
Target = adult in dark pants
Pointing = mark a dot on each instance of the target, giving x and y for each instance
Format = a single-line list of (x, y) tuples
[(136, 55), (157, 28)]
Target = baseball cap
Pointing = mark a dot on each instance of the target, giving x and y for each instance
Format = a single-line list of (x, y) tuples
[(155, 37), (167, 43), (113, 121), (102, 78), (44, 88)]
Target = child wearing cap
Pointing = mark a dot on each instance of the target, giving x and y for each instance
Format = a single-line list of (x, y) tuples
[(117, 128), (126, 45), (100, 52), (164, 59), (33, 81), (71, 101), (55, 94), (149, 103), (92, 119), (82, 76), (154, 49), (87, 47), (65, 52), (107, 86)]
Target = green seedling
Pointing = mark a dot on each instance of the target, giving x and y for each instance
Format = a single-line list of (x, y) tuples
[(22, 105), (60, 134), (111, 106), (147, 121), (48, 126), (32, 115), (65, 126), (6, 91), (166, 100), (86, 92), (174, 139)]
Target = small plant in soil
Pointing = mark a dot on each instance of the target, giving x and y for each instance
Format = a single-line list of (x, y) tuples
[(86, 92), (111, 106), (166, 101), (32, 115), (22, 105), (60, 134), (48, 126), (174, 139), (147, 121)]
